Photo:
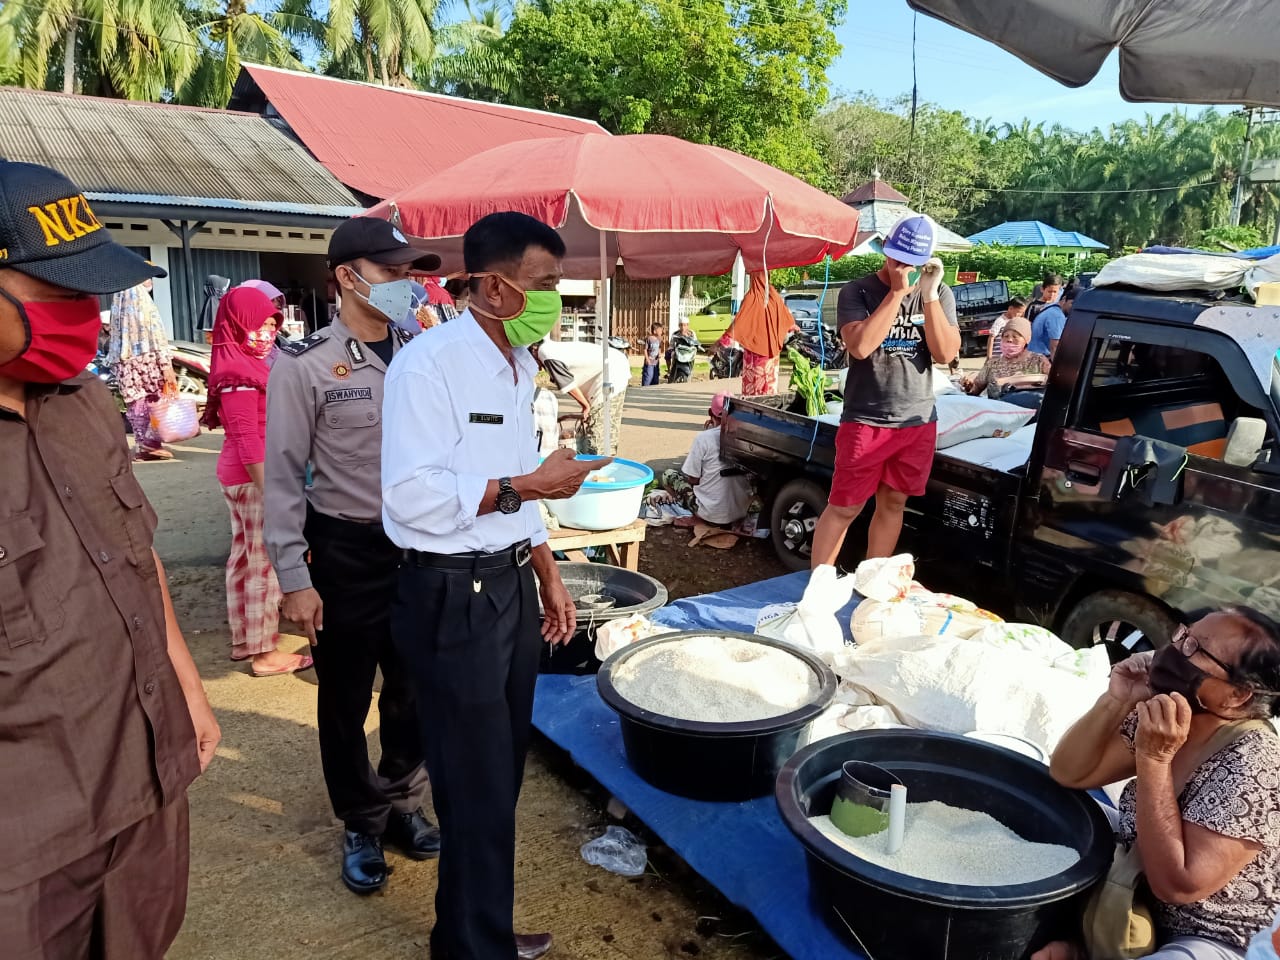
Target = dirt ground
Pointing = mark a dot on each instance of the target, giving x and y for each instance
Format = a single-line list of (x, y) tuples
[(264, 872)]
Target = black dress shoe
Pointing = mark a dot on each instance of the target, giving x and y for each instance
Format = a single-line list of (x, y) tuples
[(531, 946), (413, 835), (364, 868)]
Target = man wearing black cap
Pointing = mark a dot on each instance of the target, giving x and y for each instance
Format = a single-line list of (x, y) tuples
[(103, 720), (335, 565)]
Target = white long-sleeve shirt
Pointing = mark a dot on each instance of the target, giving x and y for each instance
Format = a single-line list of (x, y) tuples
[(455, 416)]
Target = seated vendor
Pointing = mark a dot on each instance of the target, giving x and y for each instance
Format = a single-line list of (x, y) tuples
[(702, 484), (1210, 850), (1014, 360)]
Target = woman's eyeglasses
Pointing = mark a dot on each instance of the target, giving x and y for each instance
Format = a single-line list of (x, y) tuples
[(1189, 645)]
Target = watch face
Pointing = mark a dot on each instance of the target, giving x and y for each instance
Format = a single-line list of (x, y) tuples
[(509, 502)]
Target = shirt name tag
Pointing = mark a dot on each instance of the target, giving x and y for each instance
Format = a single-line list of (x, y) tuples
[(490, 418), (351, 393)]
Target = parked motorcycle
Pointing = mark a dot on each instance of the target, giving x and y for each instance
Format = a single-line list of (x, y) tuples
[(680, 361), (830, 354), (726, 362), (191, 369)]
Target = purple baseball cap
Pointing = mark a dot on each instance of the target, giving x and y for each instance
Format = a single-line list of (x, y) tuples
[(911, 240)]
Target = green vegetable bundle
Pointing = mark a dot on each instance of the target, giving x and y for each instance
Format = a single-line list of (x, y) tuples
[(809, 382)]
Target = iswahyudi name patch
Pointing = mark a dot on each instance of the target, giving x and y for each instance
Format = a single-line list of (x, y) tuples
[(490, 418), (349, 393)]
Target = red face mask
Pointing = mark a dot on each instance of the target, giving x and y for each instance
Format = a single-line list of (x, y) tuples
[(62, 337)]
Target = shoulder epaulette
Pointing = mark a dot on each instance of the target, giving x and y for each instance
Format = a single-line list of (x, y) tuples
[(403, 335), (296, 348)]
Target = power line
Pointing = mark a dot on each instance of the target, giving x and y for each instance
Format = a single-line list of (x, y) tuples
[(1188, 186)]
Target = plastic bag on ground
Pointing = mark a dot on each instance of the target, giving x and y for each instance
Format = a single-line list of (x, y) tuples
[(618, 851)]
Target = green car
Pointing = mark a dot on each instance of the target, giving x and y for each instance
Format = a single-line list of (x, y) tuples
[(710, 323)]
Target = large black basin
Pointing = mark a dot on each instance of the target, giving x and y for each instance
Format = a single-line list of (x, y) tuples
[(629, 592), (711, 761), (892, 916)]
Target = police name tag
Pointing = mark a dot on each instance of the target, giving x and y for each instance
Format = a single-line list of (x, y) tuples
[(351, 393), (490, 418)]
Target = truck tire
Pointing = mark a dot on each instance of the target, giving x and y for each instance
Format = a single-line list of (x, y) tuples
[(1125, 623), (796, 508)]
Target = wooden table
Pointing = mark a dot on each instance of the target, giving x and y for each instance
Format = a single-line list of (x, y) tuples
[(623, 543)]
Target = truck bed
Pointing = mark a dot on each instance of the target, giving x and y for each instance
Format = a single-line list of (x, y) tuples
[(762, 435)]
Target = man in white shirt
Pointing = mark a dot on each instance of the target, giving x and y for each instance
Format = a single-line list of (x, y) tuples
[(461, 482), (702, 484), (578, 370)]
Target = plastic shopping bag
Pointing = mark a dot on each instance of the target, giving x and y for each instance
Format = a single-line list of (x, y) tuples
[(174, 418)]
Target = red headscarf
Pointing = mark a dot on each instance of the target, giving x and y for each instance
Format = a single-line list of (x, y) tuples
[(239, 355)]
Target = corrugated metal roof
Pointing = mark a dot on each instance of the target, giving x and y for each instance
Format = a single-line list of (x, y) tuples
[(382, 140), (164, 151), (1034, 233)]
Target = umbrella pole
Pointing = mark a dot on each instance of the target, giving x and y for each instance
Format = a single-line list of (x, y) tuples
[(604, 307)]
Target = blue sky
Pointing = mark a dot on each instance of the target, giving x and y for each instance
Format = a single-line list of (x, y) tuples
[(959, 71)]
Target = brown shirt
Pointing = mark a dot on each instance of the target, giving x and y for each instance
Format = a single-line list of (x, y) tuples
[(94, 729)]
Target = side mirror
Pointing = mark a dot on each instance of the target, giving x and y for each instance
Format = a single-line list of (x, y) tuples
[(1244, 441)]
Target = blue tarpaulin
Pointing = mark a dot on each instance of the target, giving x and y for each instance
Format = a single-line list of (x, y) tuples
[(742, 849)]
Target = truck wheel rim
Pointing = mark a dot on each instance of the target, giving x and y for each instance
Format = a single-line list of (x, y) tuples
[(1121, 635), (797, 530)]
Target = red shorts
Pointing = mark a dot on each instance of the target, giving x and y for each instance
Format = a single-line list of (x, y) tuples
[(867, 456)]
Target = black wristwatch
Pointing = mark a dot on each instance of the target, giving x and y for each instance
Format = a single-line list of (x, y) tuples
[(508, 500)]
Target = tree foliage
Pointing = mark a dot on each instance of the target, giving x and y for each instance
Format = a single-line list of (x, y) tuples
[(1161, 180), (748, 75)]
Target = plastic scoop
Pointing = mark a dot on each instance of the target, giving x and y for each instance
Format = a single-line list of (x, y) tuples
[(861, 804)]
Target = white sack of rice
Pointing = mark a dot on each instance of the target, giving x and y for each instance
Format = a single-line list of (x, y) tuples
[(949, 844), (716, 680)]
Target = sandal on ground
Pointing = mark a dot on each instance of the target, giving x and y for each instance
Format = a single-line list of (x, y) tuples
[(153, 455), (305, 663)]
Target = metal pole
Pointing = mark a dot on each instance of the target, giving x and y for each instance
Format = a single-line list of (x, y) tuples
[(604, 308), (1238, 202)]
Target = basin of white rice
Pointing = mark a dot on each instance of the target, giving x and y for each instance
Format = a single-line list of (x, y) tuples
[(949, 844), (716, 680)]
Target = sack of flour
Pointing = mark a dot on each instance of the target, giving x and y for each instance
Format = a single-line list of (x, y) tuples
[(875, 619), (962, 418)]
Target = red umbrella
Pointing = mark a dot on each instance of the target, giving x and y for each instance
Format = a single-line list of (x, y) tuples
[(666, 207)]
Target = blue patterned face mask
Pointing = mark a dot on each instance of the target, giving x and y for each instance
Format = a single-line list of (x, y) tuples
[(391, 298)]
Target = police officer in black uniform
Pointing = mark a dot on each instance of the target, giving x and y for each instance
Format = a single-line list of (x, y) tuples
[(336, 567)]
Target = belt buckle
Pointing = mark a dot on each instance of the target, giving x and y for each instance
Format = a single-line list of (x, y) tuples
[(523, 554)]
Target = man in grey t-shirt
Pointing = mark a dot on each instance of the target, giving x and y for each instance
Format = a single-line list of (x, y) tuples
[(896, 324)]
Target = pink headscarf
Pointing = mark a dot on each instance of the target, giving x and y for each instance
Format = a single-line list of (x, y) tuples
[(239, 359)]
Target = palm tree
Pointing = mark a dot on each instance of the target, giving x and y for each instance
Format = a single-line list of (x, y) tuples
[(227, 36), (139, 49), (469, 61), (394, 39)]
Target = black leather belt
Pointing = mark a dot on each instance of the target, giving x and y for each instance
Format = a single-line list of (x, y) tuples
[(517, 555)]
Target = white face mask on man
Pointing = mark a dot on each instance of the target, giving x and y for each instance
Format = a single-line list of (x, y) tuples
[(391, 298)]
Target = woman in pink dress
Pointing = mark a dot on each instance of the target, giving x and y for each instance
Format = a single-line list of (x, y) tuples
[(243, 337)]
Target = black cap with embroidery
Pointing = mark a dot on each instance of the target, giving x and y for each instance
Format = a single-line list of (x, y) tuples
[(48, 231), (370, 238)]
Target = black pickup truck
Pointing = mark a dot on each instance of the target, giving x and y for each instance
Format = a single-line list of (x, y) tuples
[(978, 305), (1061, 540)]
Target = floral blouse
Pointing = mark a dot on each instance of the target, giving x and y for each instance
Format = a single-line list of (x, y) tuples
[(1236, 793), (999, 367)]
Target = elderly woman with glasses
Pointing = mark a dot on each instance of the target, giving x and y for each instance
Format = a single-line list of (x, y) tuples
[(1211, 849)]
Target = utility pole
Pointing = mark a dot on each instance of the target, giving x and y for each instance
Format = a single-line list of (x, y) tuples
[(1238, 202)]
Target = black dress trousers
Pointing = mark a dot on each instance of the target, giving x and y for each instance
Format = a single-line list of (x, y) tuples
[(471, 640), (354, 569)]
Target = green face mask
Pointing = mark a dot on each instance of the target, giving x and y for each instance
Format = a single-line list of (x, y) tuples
[(542, 309)]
